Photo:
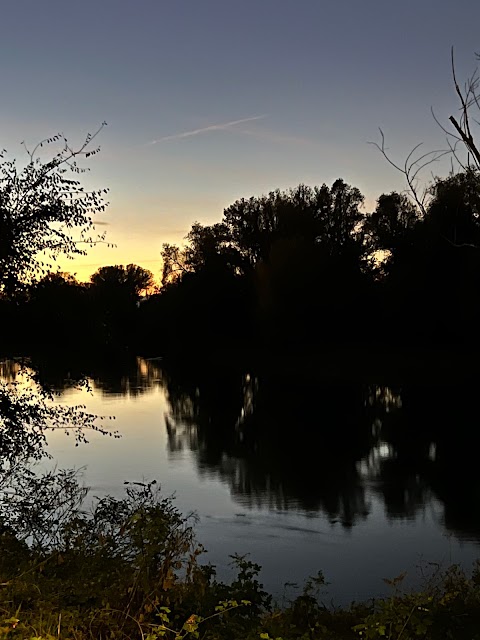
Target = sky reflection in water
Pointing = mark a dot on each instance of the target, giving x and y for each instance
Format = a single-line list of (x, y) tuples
[(361, 481)]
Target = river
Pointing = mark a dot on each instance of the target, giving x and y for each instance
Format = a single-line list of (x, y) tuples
[(361, 481)]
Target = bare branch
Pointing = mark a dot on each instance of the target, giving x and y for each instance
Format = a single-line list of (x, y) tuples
[(412, 167), (468, 99), (467, 140)]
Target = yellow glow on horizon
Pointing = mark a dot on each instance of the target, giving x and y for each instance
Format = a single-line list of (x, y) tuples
[(82, 267), (138, 231), (137, 228)]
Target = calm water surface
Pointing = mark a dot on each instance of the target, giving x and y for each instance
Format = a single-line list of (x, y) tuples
[(360, 481)]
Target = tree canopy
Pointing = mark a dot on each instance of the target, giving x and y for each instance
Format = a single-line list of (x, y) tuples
[(45, 210), (131, 280)]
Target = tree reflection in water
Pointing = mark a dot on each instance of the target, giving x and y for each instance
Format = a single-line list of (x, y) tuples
[(330, 447), (124, 375), (311, 446)]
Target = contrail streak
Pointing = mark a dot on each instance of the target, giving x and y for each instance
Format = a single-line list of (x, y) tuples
[(213, 127)]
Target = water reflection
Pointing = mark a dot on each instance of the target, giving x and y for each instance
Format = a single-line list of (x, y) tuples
[(123, 375), (331, 449), (139, 376), (277, 445), (10, 370)]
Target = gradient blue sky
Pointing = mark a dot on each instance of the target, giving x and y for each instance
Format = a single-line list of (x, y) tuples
[(306, 83)]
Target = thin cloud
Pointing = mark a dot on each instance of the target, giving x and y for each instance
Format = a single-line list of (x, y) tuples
[(225, 126)]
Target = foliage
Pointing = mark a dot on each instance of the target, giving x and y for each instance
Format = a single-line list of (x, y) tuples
[(329, 216), (55, 306), (114, 295), (41, 207), (27, 413), (453, 214), (123, 565), (390, 226), (250, 228), (130, 568), (272, 261), (208, 248), (174, 263), (32, 506), (303, 267), (131, 281)]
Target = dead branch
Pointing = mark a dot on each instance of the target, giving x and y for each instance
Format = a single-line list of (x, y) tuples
[(469, 97), (411, 168)]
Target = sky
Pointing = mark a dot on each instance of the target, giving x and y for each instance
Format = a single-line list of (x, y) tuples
[(208, 101)]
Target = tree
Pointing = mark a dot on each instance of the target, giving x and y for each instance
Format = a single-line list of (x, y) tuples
[(325, 216), (463, 138), (304, 248), (469, 101), (201, 281), (45, 211), (283, 260), (57, 279), (130, 282), (250, 229), (390, 230), (174, 263), (431, 262), (453, 213), (115, 292), (394, 217), (209, 248), (57, 311)]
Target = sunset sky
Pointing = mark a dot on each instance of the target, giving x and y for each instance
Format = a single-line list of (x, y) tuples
[(211, 100)]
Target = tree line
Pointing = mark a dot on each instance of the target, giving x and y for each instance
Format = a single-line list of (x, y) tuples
[(299, 268), (307, 267), (57, 310)]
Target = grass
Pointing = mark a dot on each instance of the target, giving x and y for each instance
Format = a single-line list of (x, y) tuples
[(131, 568)]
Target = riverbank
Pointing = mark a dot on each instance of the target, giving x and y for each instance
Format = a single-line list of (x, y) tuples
[(448, 607), (131, 569), (342, 363)]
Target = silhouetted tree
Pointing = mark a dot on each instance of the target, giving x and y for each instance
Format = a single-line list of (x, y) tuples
[(469, 101), (132, 280), (289, 260), (208, 248), (115, 292), (389, 228), (453, 214), (309, 266), (202, 284), (58, 312), (44, 211), (174, 263), (327, 216), (432, 262)]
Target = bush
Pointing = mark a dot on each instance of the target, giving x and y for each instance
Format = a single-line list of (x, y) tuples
[(131, 568)]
